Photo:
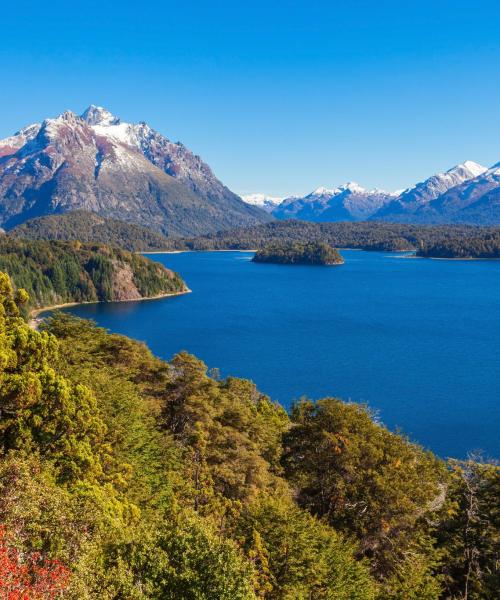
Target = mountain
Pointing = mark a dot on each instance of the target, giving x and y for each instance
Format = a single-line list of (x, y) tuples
[(412, 200), (91, 227), (348, 202), (95, 162), (267, 203), (474, 201)]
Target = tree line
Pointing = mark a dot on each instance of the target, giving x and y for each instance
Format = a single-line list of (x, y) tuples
[(377, 236)]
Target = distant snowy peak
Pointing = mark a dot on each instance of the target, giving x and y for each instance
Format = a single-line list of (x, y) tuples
[(425, 192), (97, 115), (268, 203), (350, 186), (347, 202), (11, 144)]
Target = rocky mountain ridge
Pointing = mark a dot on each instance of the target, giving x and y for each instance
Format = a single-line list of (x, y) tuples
[(468, 193), (95, 162)]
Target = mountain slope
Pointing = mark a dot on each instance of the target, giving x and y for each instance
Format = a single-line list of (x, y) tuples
[(474, 201), (412, 200), (348, 202), (129, 172)]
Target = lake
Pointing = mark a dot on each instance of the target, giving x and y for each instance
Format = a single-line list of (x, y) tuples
[(417, 340)]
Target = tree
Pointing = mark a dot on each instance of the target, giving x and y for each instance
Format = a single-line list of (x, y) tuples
[(468, 534), (360, 477), (298, 557), (29, 576)]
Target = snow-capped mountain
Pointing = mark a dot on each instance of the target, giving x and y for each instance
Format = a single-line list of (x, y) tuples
[(475, 201), (127, 171), (413, 199), (267, 203), (348, 202)]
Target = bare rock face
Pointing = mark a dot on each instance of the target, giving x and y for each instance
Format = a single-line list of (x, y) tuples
[(124, 287), (94, 162)]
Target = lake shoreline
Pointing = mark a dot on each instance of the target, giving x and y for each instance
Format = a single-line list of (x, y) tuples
[(35, 319)]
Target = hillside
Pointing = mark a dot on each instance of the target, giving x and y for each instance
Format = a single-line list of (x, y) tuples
[(486, 245), (123, 476), (59, 272), (96, 162), (91, 227)]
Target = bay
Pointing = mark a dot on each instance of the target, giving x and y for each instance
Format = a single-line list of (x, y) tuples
[(417, 340)]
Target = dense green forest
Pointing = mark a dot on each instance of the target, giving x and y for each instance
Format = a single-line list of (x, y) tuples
[(126, 477), (432, 241), (58, 272), (486, 245), (296, 253), (365, 236), (91, 227)]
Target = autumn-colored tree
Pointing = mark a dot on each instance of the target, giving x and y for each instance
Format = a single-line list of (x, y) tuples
[(29, 576)]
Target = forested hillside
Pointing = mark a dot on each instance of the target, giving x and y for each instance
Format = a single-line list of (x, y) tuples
[(59, 272), (365, 236), (126, 477), (91, 227), (484, 245)]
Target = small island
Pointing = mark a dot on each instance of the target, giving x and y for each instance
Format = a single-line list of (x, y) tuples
[(296, 253)]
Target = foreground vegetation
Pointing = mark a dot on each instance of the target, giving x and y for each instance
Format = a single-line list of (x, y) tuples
[(126, 477), (299, 254), (93, 228), (389, 237), (58, 272)]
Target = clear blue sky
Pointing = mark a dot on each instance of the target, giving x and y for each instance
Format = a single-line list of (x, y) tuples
[(276, 96)]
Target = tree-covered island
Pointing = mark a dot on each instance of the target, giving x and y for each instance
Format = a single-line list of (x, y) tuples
[(296, 253)]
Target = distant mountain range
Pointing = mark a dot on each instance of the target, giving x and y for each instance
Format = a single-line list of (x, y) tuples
[(95, 162), (468, 193), (267, 203)]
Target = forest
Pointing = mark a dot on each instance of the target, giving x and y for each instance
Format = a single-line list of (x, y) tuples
[(486, 245), (123, 476), (296, 253), (91, 227), (387, 237), (443, 241), (57, 272)]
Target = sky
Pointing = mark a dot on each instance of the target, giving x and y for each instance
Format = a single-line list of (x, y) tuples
[(278, 97)]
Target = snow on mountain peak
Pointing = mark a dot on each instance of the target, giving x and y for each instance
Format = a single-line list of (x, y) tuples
[(97, 115), (260, 199), (350, 186), (475, 168), (471, 167), (323, 191)]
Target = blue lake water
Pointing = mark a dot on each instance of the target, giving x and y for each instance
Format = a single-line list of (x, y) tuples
[(417, 340)]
